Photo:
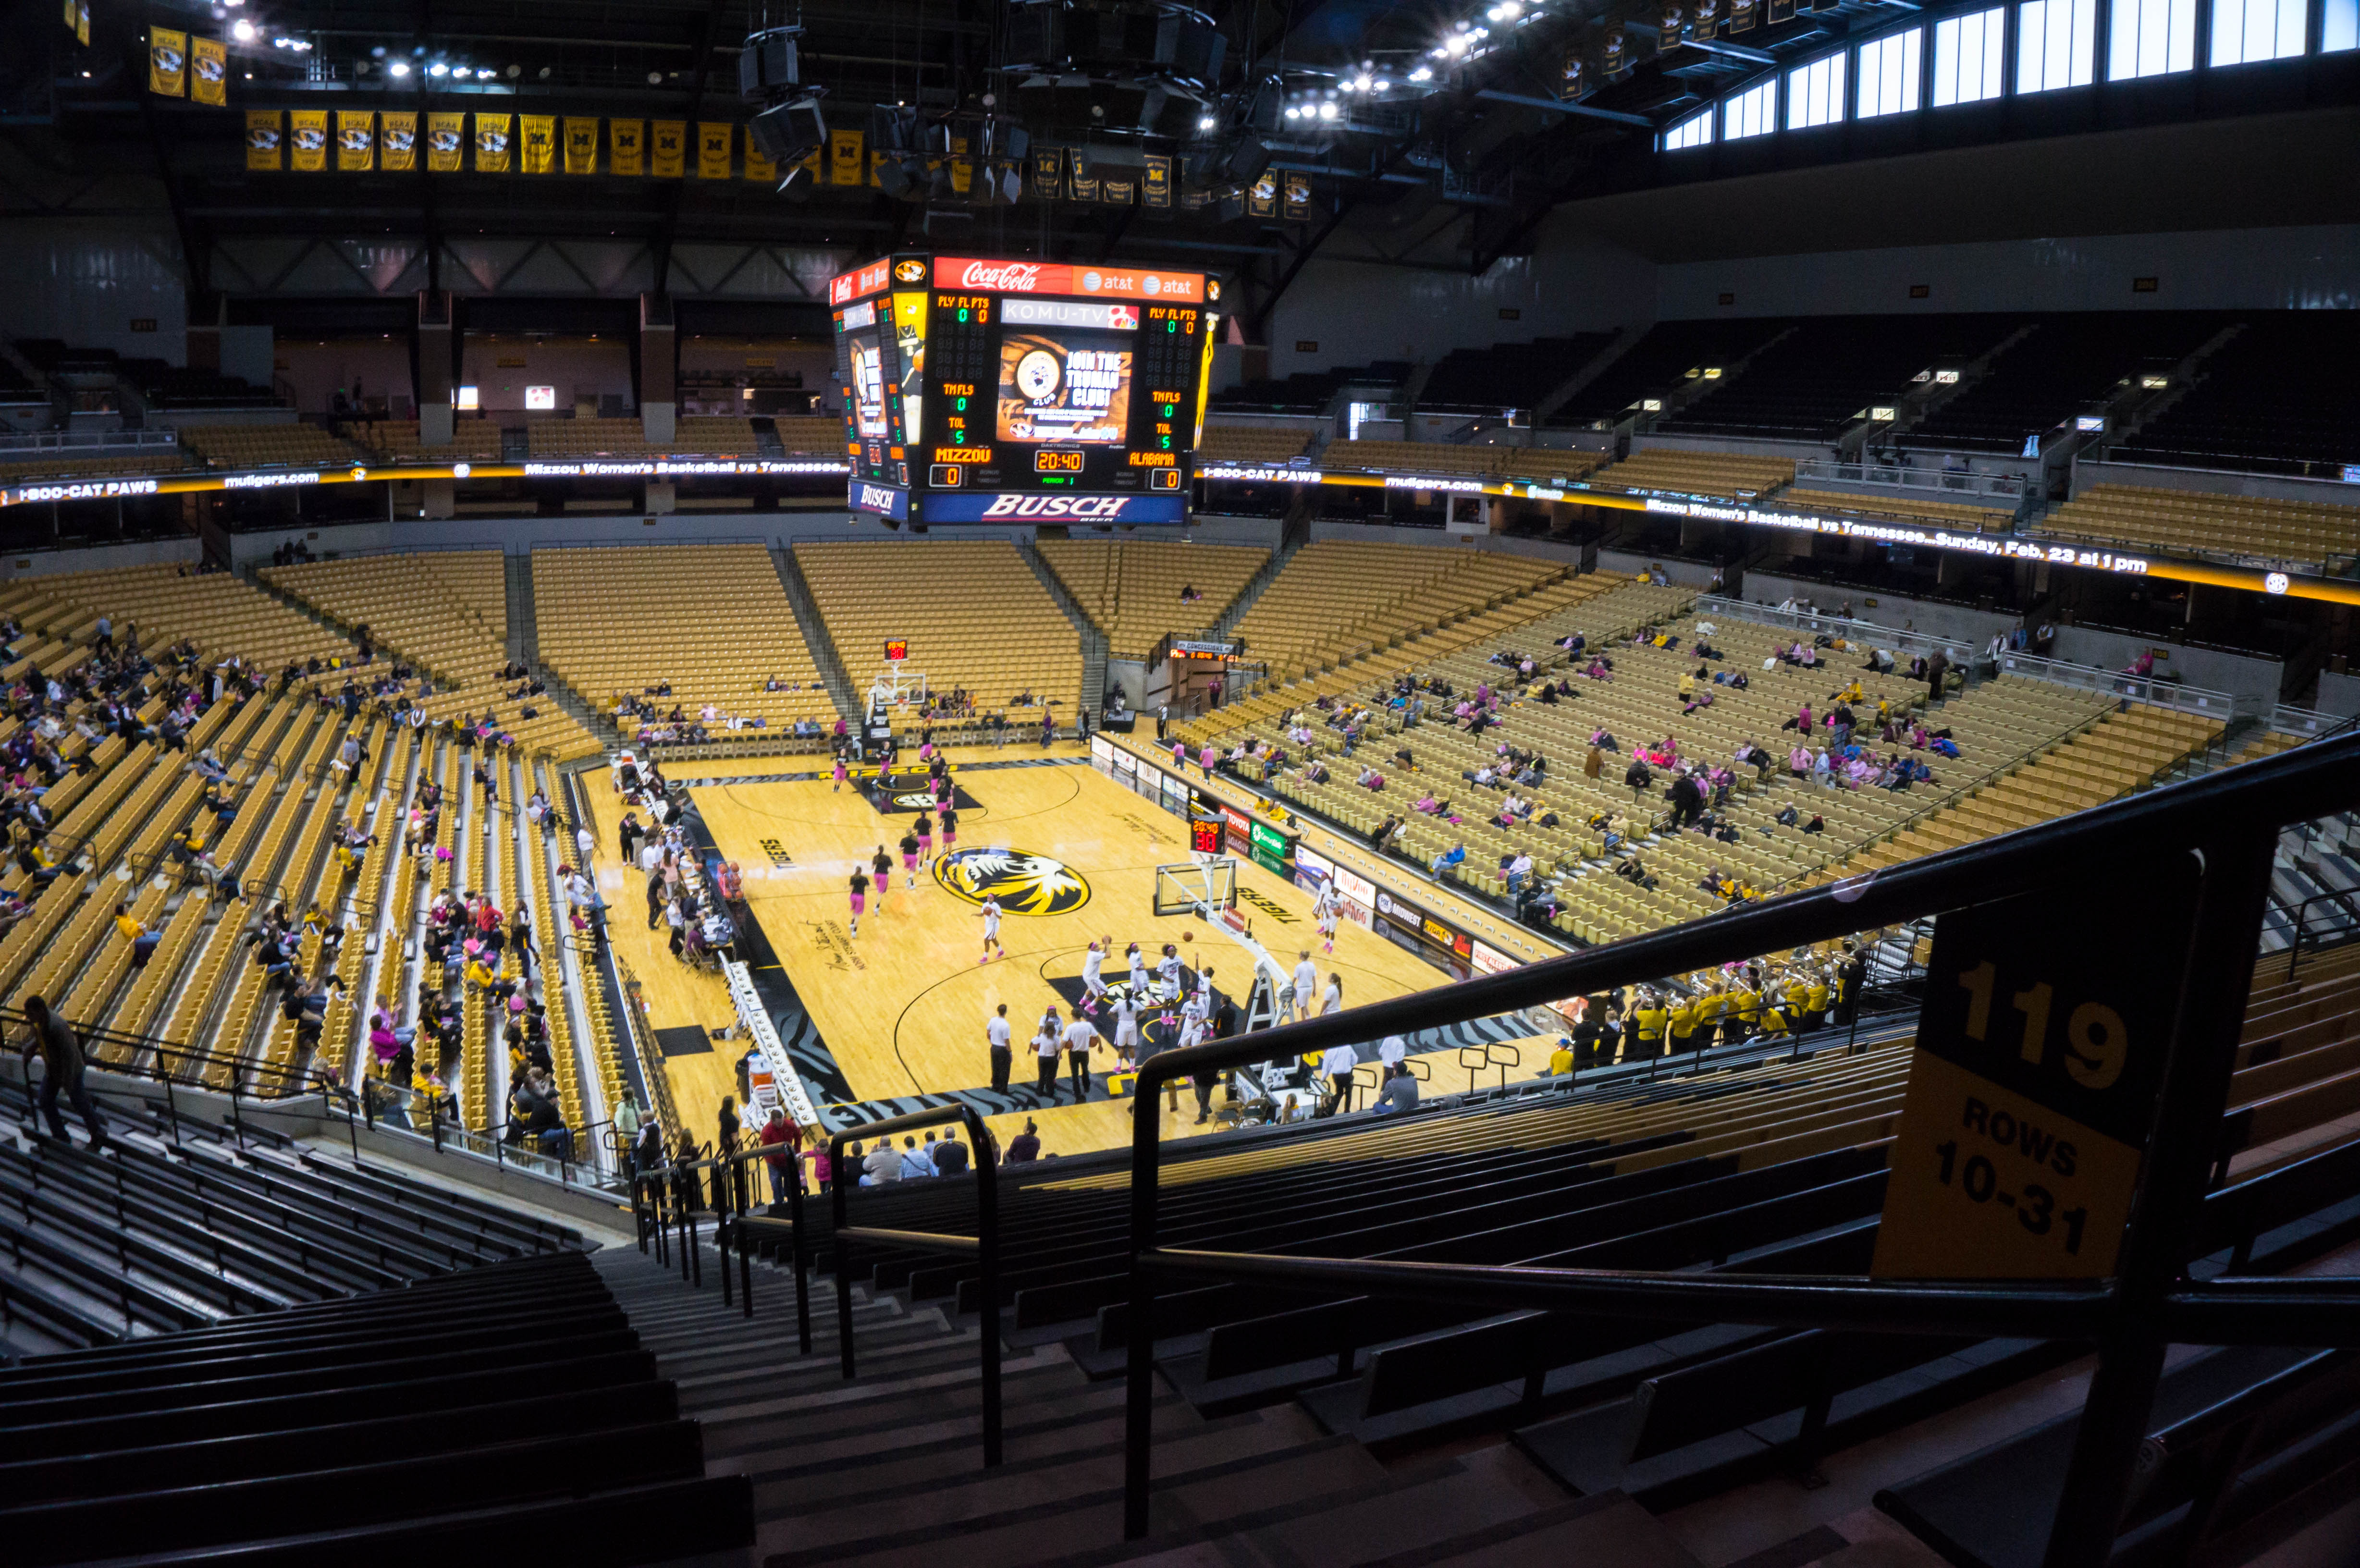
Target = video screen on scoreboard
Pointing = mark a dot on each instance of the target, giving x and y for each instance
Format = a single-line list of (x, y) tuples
[(868, 370), (1064, 372)]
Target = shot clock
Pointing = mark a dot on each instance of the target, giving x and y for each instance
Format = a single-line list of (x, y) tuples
[(980, 390)]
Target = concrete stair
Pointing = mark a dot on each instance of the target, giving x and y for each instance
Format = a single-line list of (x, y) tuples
[(886, 1469), (849, 706), (1259, 581), (1094, 641)]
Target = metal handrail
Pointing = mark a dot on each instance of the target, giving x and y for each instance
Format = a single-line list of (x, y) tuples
[(2346, 899), (2172, 694), (2229, 818)]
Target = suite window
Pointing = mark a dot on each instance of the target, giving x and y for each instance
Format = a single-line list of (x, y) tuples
[(1967, 56), (1693, 132), (2056, 44), (1888, 73), (1815, 94), (2247, 30), (2150, 37), (2338, 25), (1751, 112)]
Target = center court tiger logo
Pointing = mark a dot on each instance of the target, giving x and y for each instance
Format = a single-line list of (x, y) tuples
[(1023, 882), (915, 802)]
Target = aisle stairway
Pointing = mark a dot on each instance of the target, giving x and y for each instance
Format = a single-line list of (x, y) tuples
[(887, 1469), (848, 705)]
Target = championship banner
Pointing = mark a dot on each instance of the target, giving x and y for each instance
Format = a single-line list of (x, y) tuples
[(167, 62), (1298, 197), (1615, 59), (2039, 1056), (760, 167), (209, 71), (82, 22), (1114, 192), (265, 130), (1155, 182), (492, 134), (539, 156), (1084, 180), (848, 159), (813, 164), (581, 145), (714, 139), (397, 140), (1048, 172), (671, 154), (1740, 16), (1781, 11), (356, 140), (626, 148), (1262, 200), (1569, 75), (446, 141), (311, 139)]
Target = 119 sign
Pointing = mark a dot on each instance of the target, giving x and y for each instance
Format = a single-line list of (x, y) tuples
[(2041, 1052)]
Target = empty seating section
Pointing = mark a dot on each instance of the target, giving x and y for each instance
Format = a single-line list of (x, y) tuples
[(975, 617), (1508, 375), (1731, 474), (711, 621), (1310, 391), (1668, 356), (2187, 522), (1337, 600), (693, 436), (807, 436), (2069, 363), (1824, 378), (476, 440), (1251, 444), (269, 446), (64, 465), (447, 614), (221, 614), (170, 388), (1902, 504), (1474, 460), (2276, 398), (1131, 591)]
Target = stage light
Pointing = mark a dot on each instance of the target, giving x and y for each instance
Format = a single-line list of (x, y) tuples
[(1383, 84), (398, 68), (485, 74), (1362, 84), (1326, 110), (438, 69), (242, 30), (1422, 73), (1457, 43), (1205, 122)]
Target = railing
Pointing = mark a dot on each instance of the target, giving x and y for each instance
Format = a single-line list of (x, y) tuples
[(2009, 488), (2230, 818), (2286, 719), (77, 443), (2180, 699), (2329, 918), (1710, 606), (388, 1107)]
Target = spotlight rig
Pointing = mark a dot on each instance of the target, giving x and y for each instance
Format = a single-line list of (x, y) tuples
[(790, 129), (970, 158)]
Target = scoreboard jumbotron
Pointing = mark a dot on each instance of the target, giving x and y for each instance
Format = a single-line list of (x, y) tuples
[(979, 391)]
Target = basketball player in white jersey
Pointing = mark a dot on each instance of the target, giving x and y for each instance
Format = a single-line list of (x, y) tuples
[(1138, 973), (991, 930), (1093, 986), (1323, 915), (1167, 981), (1126, 1028), (1303, 995)]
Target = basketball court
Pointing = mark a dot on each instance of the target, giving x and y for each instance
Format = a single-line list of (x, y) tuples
[(897, 1014)]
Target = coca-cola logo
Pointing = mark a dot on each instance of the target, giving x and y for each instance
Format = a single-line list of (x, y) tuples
[(1012, 278)]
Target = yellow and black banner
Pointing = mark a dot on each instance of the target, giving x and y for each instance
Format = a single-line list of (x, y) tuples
[(1615, 59), (1083, 180), (1262, 201), (847, 161), (1155, 182), (757, 166), (492, 135), (310, 141), (1569, 75), (669, 156), (397, 136), (539, 148), (264, 131), (82, 22), (1298, 197), (209, 71), (1740, 16), (69, 15), (626, 148), (1674, 19), (581, 145), (446, 141), (714, 139), (1048, 172), (1781, 11), (1119, 191), (356, 140), (167, 62)]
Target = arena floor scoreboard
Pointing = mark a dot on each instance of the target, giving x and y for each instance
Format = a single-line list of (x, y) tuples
[(981, 391)]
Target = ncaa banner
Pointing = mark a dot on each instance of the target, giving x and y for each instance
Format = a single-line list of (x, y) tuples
[(626, 148), (209, 71), (264, 131), (1033, 509), (311, 139), (1048, 172), (1113, 193), (167, 62), (1155, 182), (1262, 199), (713, 143), (356, 140), (446, 141), (397, 137), (80, 22), (670, 154), (539, 144), (1298, 197), (757, 166), (848, 157), (492, 135), (580, 146)]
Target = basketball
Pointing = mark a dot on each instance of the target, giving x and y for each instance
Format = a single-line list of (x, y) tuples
[(1187, 936)]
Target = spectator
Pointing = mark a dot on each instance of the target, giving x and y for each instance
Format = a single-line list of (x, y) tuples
[(950, 1156), (62, 1056), (785, 1140), (917, 1162), (1025, 1146)]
